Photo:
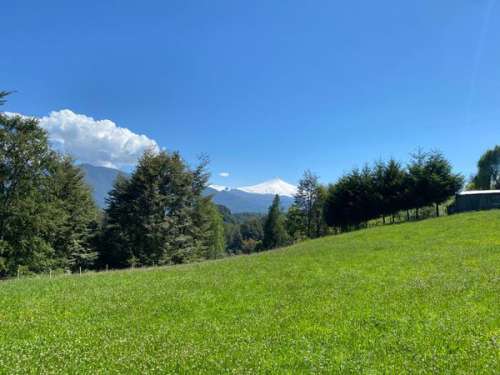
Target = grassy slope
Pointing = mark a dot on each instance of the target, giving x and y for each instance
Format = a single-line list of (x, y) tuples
[(420, 297)]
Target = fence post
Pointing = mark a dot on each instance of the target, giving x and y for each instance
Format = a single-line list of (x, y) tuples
[(50, 273), (107, 268), (18, 272), (80, 271)]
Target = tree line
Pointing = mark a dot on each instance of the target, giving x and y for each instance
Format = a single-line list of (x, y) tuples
[(160, 214), (376, 192)]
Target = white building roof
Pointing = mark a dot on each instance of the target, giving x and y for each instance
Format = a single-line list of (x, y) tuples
[(473, 192)]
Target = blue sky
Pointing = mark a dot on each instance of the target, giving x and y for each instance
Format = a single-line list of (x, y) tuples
[(266, 88)]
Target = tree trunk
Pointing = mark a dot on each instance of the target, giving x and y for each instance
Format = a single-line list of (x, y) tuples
[(383, 219), (407, 215), (437, 210), (416, 213)]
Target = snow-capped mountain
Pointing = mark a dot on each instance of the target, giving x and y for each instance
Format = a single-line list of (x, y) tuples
[(255, 198), (219, 187), (274, 186)]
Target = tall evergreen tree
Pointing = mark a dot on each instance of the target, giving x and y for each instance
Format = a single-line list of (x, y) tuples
[(155, 215), (211, 226), (442, 182), (338, 205), (389, 185), (306, 201), (275, 234), (320, 227), (417, 182), (216, 241), (431, 180), (114, 244), (353, 200), (395, 177), (75, 214)]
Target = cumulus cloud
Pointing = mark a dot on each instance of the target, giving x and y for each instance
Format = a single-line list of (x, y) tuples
[(98, 142), (224, 174)]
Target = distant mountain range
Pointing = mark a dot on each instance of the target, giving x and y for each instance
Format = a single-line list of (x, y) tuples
[(256, 198), (239, 201), (273, 187), (101, 180)]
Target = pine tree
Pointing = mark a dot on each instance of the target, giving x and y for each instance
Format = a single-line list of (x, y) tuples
[(158, 215), (76, 215), (389, 187), (319, 222), (215, 242), (115, 247), (431, 180), (210, 225), (305, 201), (441, 181), (275, 234), (416, 183)]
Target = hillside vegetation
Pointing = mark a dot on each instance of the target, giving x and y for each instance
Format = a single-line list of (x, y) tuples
[(412, 298)]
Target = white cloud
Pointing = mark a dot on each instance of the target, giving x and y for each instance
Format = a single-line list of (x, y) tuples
[(224, 174), (98, 142)]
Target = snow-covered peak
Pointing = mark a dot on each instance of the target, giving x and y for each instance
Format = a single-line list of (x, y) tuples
[(274, 186), (218, 187)]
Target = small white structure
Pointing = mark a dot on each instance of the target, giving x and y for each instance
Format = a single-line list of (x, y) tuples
[(475, 200)]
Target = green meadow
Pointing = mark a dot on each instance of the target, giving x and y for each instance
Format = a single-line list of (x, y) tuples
[(418, 297)]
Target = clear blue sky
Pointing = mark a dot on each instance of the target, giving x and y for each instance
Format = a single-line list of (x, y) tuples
[(266, 88)]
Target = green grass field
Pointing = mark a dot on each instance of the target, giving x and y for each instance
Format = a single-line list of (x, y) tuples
[(412, 298)]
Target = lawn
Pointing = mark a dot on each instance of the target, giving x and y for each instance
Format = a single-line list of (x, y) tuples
[(409, 298)]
